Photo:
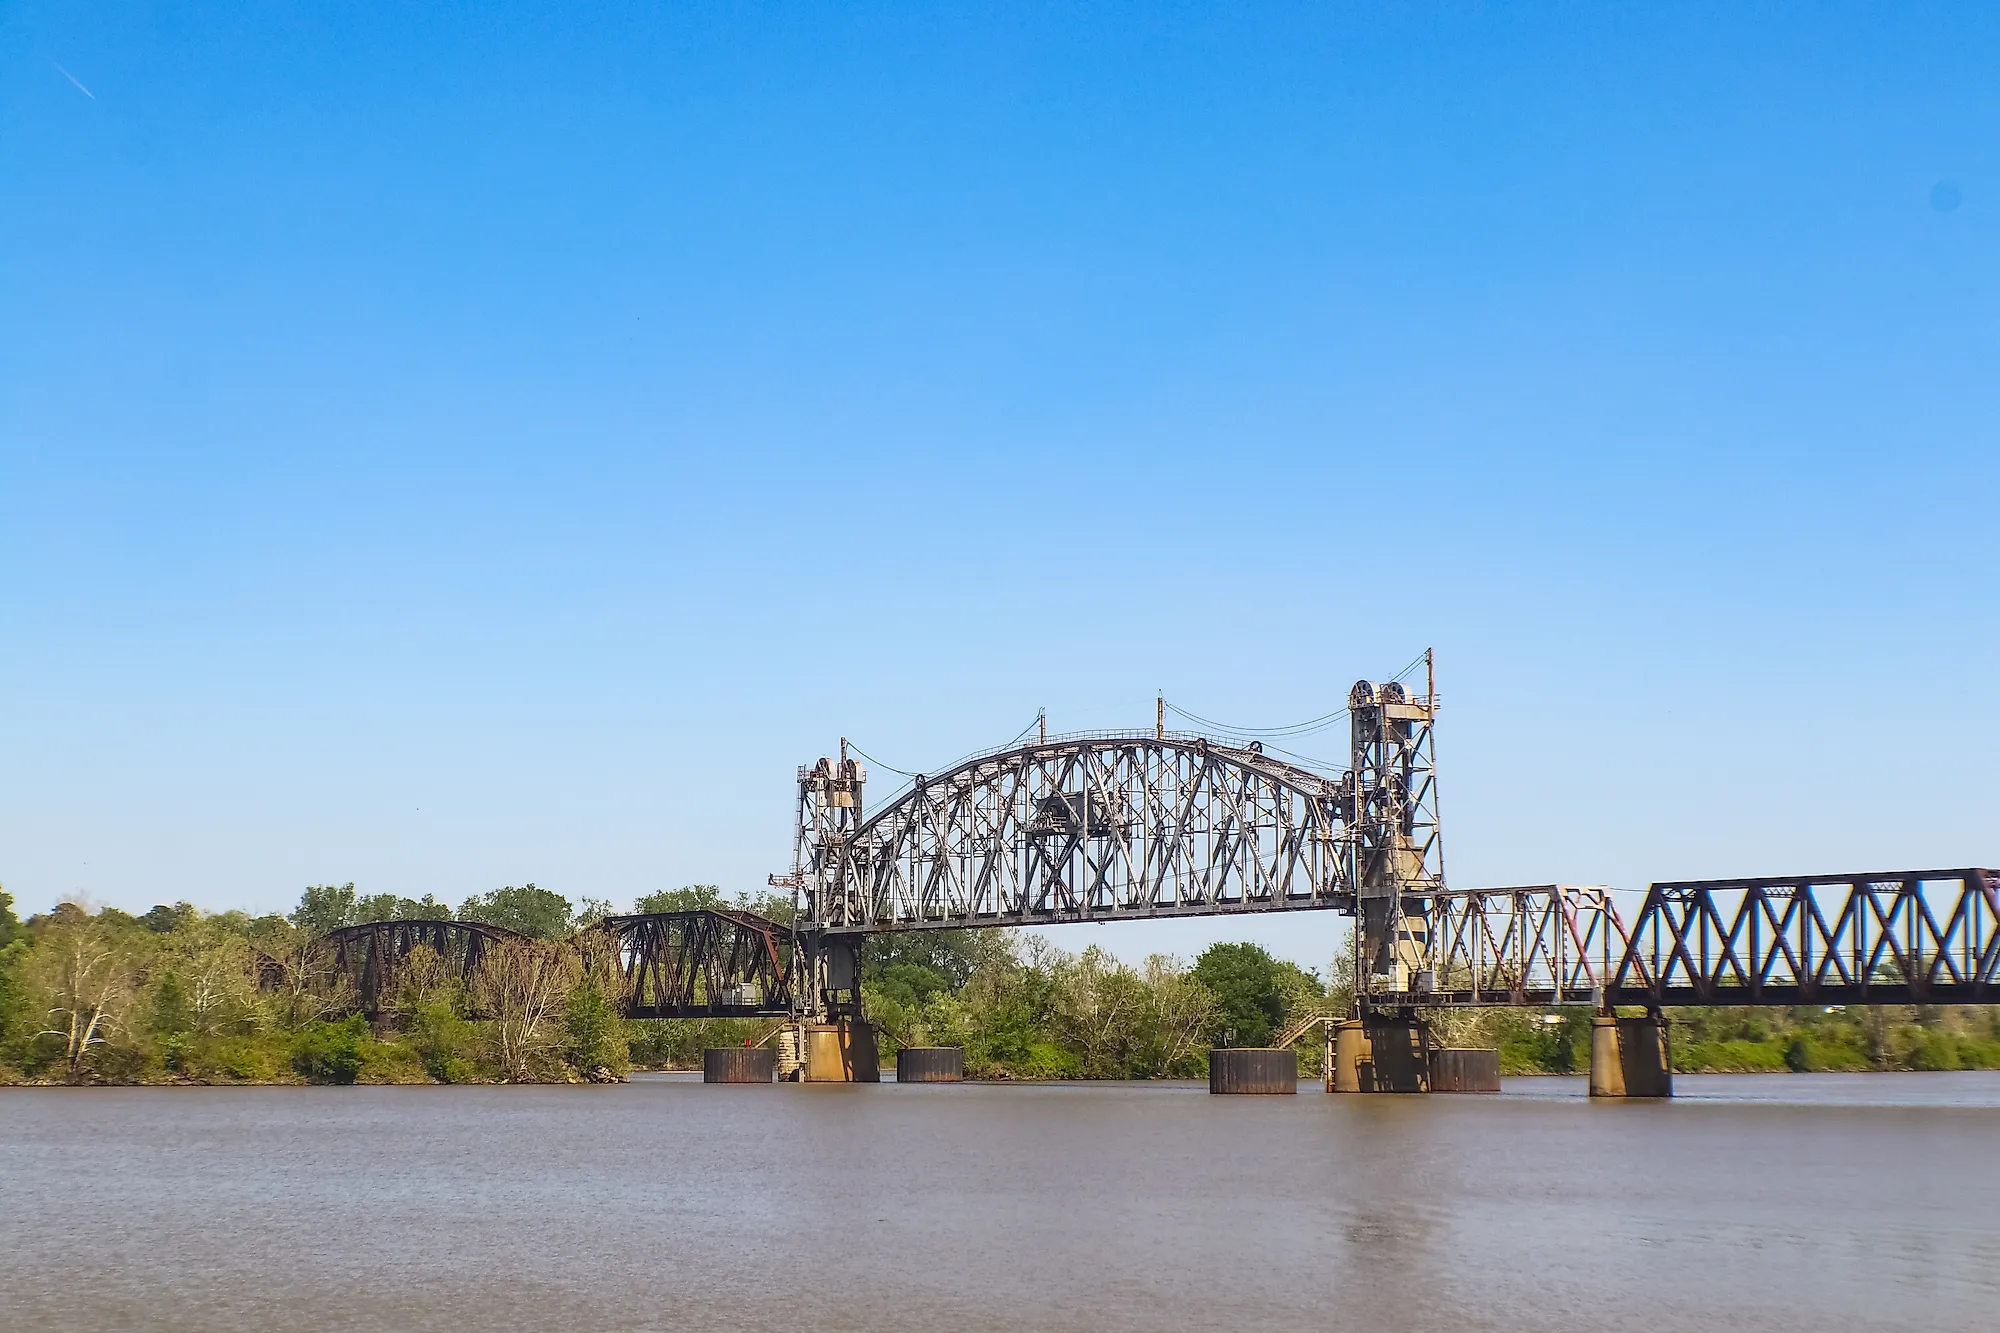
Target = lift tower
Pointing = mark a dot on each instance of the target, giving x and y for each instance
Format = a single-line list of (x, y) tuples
[(829, 1040), (1394, 840), (1390, 807)]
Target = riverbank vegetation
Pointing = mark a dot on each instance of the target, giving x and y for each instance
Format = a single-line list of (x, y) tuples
[(179, 995)]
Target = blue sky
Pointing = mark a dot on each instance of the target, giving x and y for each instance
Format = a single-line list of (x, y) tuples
[(449, 447)]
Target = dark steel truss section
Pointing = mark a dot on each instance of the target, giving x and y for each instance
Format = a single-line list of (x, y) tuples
[(1081, 828), (371, 954), (703, 964), (1896, 937)]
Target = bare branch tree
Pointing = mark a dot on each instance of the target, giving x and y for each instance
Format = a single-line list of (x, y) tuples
[(88, 971), (221, 975), (307, 984), (1184, 1010), (520, 988)]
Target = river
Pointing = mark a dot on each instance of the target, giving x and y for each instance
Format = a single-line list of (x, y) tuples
[(1808, 1202)]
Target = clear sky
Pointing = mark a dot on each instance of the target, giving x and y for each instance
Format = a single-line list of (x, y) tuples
[(451, 446)]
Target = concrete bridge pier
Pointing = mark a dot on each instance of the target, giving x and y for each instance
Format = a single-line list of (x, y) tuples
[(1629, 1057), (1381, 1053)]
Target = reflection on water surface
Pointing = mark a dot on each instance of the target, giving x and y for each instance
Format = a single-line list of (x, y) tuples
[(1822, 1202)]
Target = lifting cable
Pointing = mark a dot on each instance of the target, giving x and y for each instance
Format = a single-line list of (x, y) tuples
[(1294, 729), (903, 772)]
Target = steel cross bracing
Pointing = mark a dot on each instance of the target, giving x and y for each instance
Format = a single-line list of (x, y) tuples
[(1096, 828), (1886, 937), (1548, 944), (373, 952), (712, 963)]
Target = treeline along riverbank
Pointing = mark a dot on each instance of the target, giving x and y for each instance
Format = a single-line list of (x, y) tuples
[(181, 995)]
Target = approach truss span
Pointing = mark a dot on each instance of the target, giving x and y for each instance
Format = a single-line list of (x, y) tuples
[(1090, 828), (1883, 937), (708, 963), (372, 954)]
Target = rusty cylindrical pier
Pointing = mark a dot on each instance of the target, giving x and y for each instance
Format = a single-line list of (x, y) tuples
[(1468, 1070), (739, 1064), (1253, 1070), (930, 1064)]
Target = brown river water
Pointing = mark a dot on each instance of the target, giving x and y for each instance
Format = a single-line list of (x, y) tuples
[(1821, 1202)]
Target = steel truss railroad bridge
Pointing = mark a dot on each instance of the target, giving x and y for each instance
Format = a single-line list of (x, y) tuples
[(1117, 826)]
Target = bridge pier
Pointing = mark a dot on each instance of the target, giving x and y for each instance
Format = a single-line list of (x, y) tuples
[(1629, 1057), (1381, 1053), (842, 1051)]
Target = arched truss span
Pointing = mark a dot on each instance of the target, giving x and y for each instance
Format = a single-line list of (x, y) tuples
[(1097, 828), (371, 954)]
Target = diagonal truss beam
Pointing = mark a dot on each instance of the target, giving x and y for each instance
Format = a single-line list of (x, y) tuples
[(1094, 829), (1893, 937)]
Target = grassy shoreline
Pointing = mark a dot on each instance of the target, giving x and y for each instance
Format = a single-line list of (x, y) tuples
[(178, 997)]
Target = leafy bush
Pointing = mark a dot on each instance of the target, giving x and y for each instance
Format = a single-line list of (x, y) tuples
[(1528, 1045), (118, 1062), (389, 1062), (330, 1052), (595, 1044), (443, 1042), (250, 1061), (176, 1053)]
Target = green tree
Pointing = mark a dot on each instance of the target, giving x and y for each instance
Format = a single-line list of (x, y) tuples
[(85, 974), (322, 907), (330, 1052), (1250, 1005), (593, 911), (1102, 1015), (172, 1014), (595, 1041), (777, 907), (687, 898), (14, 1012), (595, 1038), (1012, 1008), (163, 920), (534, 912), (218, 969), (392, 907), (1180, 1015), (708, 898), (10, 925), (911, 967), (377, 907), (430, 1003)]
